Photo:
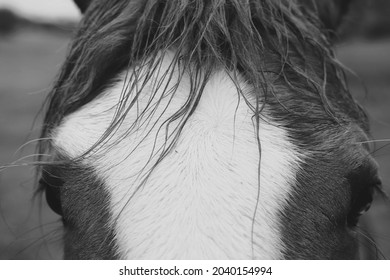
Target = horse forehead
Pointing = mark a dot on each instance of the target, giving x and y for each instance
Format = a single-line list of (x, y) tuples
[(205, 191)]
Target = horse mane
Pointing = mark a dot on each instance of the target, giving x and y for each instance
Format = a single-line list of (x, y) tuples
[(273, 44)]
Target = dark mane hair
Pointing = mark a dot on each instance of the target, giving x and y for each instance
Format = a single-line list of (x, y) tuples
[(273, 44)]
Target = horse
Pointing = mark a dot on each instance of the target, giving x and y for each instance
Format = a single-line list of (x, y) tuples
[(218, 129)]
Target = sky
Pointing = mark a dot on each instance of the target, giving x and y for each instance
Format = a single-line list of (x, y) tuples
[(44, 9)]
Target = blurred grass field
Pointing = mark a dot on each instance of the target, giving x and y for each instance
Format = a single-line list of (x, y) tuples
[(29, 60)]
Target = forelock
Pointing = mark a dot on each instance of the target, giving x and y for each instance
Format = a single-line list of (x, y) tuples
[(274, 44)]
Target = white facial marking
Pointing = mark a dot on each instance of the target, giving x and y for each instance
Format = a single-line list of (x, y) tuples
[(199, 201)]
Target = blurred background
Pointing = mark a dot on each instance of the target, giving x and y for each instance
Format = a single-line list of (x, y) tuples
[(34, 36)]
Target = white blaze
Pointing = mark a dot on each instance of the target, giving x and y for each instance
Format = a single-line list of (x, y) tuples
[(199, 201)]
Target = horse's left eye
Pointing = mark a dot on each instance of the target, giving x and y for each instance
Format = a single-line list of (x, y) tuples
[(363, 185), (52, 183), (359, 205)]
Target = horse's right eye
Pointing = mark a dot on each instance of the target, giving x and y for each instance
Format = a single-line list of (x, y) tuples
[(52, 183)]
